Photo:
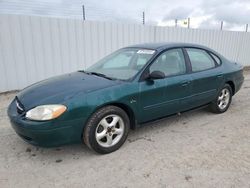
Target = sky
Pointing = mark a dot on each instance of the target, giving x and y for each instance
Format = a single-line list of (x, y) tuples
[(204, 14)]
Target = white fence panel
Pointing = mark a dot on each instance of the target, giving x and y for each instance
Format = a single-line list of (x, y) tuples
[(35, 48)]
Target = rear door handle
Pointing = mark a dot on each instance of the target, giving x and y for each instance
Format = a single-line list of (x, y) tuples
[(185, 83), (220, 76)]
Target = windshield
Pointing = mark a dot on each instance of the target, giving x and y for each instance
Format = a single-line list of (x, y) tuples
[(122, 64)]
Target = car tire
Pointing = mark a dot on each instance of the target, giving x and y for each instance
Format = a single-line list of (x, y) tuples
[(107, 129), (222, 101)]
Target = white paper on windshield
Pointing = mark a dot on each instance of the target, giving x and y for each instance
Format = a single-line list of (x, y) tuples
[(146, 51)]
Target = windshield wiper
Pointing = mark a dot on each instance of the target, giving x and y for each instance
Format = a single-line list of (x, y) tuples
[(100, 75)]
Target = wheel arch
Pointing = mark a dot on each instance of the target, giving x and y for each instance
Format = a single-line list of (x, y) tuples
[(232, 85), (124, 107)]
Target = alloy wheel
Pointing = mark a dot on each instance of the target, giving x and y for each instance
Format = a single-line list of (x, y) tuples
[(223, 99), (109, 130)]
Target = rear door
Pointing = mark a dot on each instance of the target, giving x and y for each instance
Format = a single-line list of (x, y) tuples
[(206, 76)]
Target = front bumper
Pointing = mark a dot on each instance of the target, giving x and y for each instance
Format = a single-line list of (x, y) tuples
[(45, 133)]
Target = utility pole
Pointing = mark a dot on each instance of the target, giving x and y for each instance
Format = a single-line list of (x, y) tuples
[(176, 21), (188, 23), (143, 18), (221, 25), (246, 27), (83, 12)]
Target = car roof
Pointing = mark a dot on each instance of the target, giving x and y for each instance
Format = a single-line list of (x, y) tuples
[(165, 45)]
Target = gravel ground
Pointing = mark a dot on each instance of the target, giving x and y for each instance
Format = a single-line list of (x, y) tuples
[(196, 149)]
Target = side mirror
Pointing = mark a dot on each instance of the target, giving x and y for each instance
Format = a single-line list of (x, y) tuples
[(155, 75)]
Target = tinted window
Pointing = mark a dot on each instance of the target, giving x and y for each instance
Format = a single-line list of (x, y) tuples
[(216, 58), (200, 59), (171, 62)]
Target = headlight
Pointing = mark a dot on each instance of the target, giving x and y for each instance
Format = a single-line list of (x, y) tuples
[(45, 112)]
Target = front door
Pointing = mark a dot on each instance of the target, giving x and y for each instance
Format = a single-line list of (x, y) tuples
[(162, 97)]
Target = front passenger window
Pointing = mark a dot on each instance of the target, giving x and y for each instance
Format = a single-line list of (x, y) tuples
[(171, 62)]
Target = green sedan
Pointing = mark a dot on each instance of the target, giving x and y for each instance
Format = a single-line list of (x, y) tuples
[(125, 90)]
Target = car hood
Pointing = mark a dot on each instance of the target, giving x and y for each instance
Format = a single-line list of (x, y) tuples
[(61, 88)]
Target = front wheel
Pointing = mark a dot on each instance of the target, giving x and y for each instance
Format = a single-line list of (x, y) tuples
[(107, 129), (223, 100)]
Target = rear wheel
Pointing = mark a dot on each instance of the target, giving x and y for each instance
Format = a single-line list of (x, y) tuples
[(223, 100), (106, 130)]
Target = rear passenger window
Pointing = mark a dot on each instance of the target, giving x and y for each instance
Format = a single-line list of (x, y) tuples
[(216, 58), (200, 59)]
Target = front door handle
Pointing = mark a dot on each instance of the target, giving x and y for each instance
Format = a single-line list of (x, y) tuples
[(220, 76)]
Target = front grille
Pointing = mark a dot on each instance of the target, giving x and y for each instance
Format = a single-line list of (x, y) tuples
[(19, 106)]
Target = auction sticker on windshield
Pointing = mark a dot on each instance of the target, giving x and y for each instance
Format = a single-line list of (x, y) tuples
[(146, 51)]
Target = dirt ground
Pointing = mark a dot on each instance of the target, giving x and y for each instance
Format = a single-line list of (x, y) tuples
[(196, 149)]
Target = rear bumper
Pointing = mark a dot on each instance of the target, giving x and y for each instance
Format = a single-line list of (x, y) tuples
[(238, 84)]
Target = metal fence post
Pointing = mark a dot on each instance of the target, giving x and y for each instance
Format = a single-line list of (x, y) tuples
[(221, 25), (143, 18), (83, 12)]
